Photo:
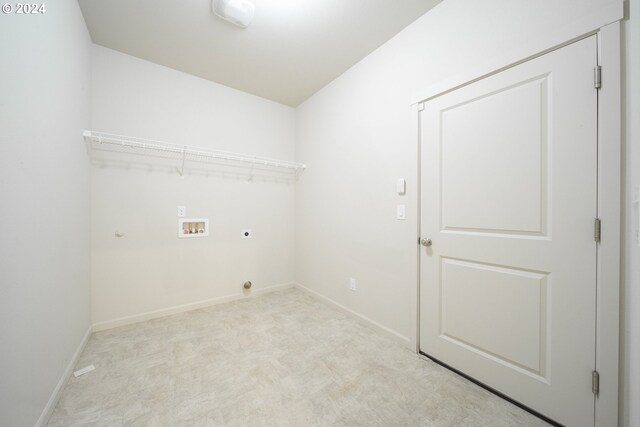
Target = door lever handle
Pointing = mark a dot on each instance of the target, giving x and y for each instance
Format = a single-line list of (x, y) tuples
[(426, 242)]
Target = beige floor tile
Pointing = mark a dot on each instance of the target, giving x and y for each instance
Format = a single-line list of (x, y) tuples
[(281, 359)]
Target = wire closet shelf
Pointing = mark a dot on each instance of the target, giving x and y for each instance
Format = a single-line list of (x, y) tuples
[(186, 152)]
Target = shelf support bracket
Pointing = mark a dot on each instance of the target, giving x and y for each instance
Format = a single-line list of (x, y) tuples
[(251, 171), (184, 154)]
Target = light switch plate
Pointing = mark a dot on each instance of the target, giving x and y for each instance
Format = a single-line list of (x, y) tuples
[(401, 212), (401, 186)]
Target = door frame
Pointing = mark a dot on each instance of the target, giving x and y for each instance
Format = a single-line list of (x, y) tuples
[(607, 326)]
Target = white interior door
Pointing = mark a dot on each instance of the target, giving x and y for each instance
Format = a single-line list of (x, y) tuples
[(508, 286)]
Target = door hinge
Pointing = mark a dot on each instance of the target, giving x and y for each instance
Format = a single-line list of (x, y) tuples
[(595, 382), (597, 77), (597, 229), (421, 106)]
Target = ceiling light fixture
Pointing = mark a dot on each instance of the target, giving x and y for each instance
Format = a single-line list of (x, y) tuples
[(238, 12)]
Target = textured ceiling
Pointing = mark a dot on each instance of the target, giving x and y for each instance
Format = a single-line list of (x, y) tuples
[(291, 49)]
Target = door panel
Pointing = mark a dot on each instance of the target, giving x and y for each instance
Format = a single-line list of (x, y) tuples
[(509, 199), (474, 132), (495, 311)]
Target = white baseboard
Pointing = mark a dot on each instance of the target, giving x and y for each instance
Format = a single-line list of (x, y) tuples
[(361, 318), (55, 395), (128, 320)]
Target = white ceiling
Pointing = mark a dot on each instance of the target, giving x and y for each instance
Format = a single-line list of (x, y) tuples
[(291, 49)]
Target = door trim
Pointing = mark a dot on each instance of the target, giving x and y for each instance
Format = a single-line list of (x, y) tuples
[(588, 25), (609, 199), (608, 205)]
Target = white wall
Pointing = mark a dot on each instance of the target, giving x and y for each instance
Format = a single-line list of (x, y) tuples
[(149, 268), (358, 135), (44, 190), (631, 247)]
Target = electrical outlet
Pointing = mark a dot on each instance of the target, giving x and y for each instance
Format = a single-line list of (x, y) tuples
[(352, 284), (246, 234), (182, 211)]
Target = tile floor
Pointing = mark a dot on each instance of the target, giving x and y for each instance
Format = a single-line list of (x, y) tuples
[(281, 359)]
